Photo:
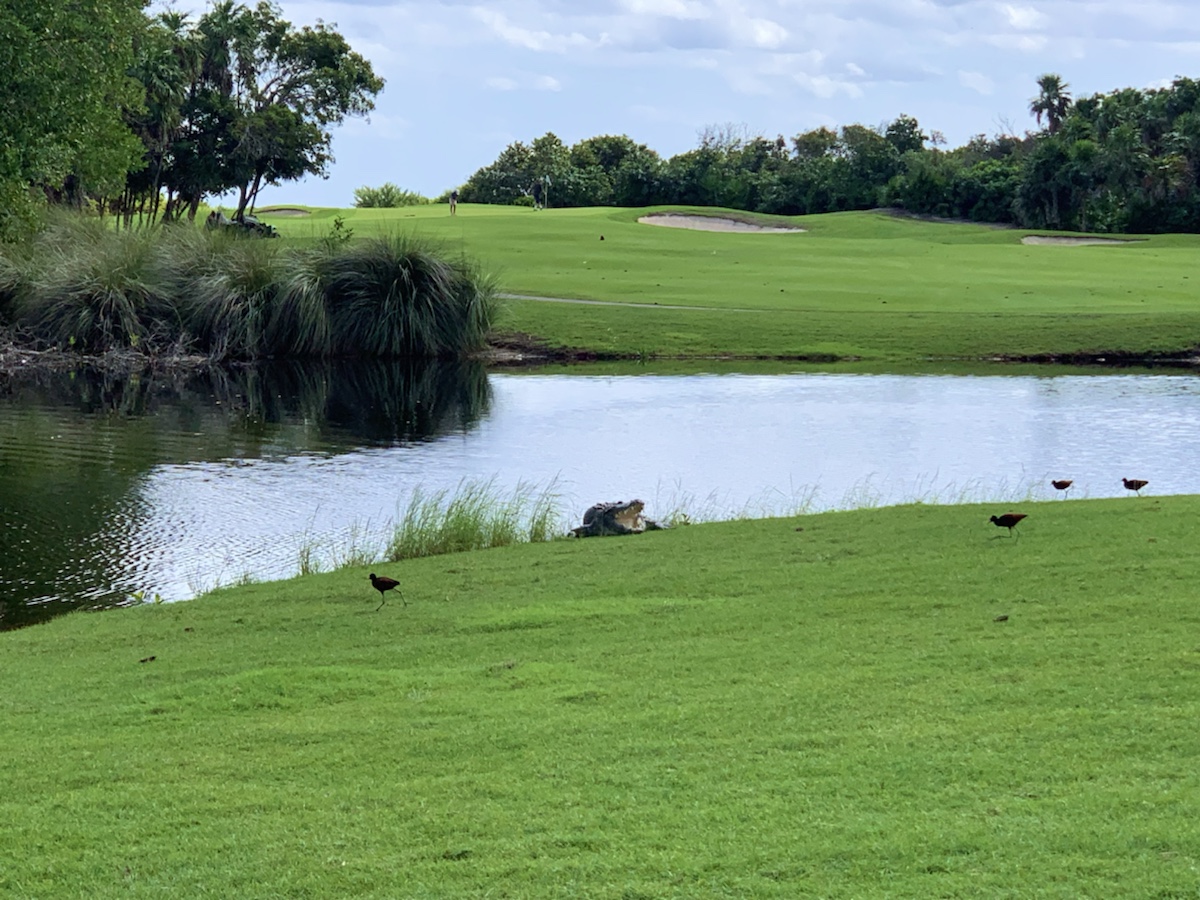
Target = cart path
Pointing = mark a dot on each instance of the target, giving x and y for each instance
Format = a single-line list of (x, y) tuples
[(620, 303)]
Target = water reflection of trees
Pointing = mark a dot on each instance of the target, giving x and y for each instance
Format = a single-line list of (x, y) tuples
[(347, 403), (74, 447)]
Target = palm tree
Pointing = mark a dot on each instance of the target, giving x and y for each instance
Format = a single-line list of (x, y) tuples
[(1053, 101)]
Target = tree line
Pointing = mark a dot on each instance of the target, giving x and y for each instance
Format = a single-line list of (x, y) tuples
[(1125, 161), (147, 115)]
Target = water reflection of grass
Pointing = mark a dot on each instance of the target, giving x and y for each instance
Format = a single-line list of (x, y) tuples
[(735, 709)]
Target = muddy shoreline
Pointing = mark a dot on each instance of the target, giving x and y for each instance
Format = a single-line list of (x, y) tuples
[(520, 350)]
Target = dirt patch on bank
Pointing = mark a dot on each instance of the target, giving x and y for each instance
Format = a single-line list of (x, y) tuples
[(17, 359), (714, 223), (1065, 241), (284, 211)]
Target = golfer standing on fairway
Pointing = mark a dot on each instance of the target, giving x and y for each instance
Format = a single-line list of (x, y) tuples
[(454, 201)]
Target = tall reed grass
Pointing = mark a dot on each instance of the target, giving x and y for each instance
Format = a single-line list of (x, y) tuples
[(395, 295), (475, 517), (91, 287), (80, 283)]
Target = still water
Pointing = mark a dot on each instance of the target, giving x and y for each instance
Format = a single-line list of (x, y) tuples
[(113, 486)]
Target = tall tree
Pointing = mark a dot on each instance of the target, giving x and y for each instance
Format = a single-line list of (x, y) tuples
[(260, 105), (1052, 102), (63, 86)]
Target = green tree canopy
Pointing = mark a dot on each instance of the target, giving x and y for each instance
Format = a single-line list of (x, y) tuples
[(63, 87)]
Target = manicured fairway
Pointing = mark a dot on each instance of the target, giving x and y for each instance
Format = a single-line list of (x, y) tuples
[(854, 284), (815, 707)]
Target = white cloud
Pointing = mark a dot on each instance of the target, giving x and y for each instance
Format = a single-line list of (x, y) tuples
[(671, 9), (540, 41), (766, 34), (534, 83), (1026, 43), (1023, 18), (825, 87), (977, 82)]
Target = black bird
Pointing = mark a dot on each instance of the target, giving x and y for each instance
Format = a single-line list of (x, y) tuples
[(1008, 520), (386, 584), (1134, 484), (1062, 484)]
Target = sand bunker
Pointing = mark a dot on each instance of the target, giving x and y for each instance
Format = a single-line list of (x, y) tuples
[(1072, 241), (284, 211), (713, 223)]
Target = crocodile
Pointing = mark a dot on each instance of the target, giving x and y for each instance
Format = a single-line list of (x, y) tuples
[(615, 518)]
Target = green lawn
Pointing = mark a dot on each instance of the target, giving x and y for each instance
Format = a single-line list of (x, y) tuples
[(854, 284), (814, 707)]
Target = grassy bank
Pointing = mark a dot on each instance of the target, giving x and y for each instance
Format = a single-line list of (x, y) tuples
[(854, 284), (741, 709)]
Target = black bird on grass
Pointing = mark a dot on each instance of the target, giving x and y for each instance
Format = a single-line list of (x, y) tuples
[(1134, 484), (384, 584), (1062, 484), (1008, 520)]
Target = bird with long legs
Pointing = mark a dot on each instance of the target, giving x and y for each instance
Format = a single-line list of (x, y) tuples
[(383, 584), (1134, 484), (1008, 520), (1062, 484)]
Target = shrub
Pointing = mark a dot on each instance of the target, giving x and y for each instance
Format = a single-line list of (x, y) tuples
[(299, 319), (14, 267), (92, 287), (395, 296), (86, 284), (228, 302), (388, 196)]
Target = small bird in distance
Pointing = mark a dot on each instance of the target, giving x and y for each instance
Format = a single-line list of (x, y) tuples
[(1008, 520), (1134, 484), (1062, 484), (383, 584)]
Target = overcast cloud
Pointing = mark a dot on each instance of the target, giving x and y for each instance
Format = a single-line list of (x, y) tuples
[(467, 78)]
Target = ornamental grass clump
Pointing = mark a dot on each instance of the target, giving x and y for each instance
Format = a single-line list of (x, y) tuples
[(85, 284), (93, 288), (299, 324), (13, 279), (227, 307), (395, 296)]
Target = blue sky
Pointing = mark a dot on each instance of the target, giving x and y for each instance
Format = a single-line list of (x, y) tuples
[(464, 79)]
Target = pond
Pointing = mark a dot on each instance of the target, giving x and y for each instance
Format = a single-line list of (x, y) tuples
[(111, 487)]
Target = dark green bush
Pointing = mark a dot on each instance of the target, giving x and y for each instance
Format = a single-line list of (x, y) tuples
[(394, 296), (84, 284)]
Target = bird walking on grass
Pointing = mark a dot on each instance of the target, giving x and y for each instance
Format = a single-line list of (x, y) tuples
[(1008, 520), (383, 584), (1134, 484), (1062, 484)]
